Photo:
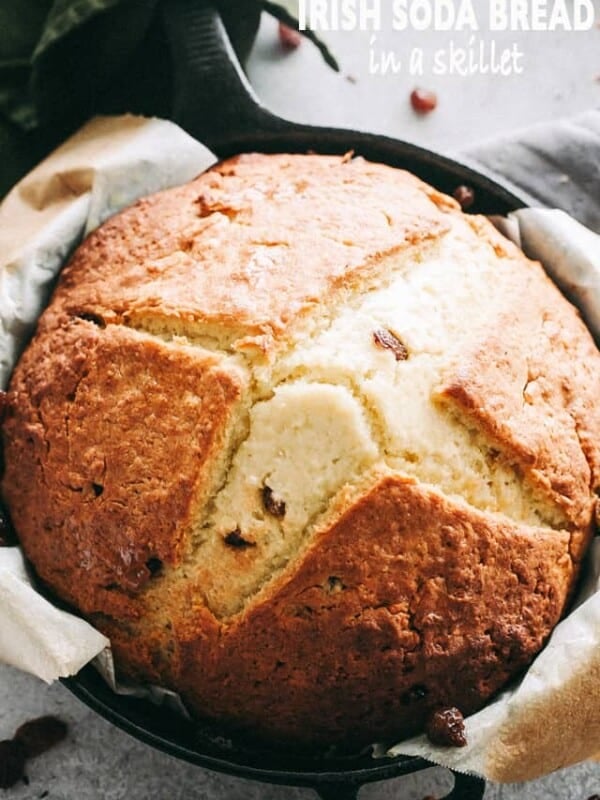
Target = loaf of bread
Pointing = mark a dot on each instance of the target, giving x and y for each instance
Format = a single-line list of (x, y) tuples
[(311, 446)]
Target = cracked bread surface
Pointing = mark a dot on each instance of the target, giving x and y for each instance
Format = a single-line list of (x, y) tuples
[(310, 446)]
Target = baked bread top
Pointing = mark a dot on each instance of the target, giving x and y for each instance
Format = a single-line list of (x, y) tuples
[(310, 445)]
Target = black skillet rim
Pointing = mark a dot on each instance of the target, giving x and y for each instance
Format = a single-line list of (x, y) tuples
[(221, 754)]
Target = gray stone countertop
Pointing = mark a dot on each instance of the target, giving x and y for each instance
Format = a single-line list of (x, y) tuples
[(560, 77), (99, 762)]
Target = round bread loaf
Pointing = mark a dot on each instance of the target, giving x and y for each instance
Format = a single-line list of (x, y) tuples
[(310, 445)]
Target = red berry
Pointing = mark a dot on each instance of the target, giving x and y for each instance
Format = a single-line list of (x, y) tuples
[(446, 727), (423, 101), (465, 196), (289, 38), (39, 735)]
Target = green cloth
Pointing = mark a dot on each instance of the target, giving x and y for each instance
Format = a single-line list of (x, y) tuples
[(61, 61)]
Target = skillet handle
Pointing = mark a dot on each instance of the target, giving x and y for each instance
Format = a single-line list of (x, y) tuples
[(466, 787), (212, 98)]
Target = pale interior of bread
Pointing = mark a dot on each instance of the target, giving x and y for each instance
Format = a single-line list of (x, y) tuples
[(335, 407)]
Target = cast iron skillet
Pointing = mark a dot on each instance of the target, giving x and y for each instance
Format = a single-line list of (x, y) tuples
[(215, 103)]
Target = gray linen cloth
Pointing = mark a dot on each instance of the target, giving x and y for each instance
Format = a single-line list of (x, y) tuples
[(557, 164)]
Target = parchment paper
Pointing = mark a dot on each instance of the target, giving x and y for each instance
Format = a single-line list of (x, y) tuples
[(107, 165), (552, 718), (104, 167)]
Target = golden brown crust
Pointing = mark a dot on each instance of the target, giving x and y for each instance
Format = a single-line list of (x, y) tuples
[(529, 381), (122, 432), (238, 247), (395, 598), (407, 602)]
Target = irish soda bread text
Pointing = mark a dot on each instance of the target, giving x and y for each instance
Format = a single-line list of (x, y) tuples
[(310, 445)]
